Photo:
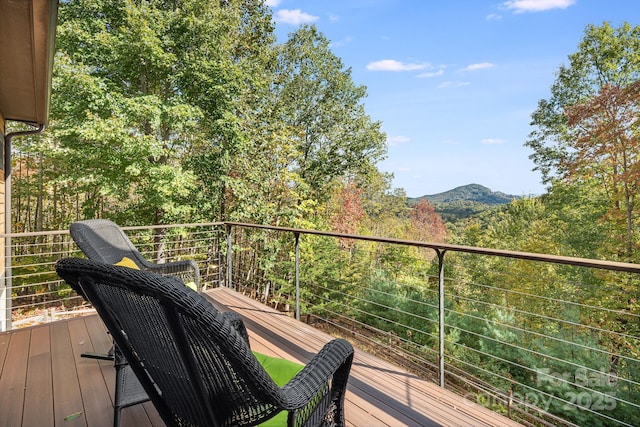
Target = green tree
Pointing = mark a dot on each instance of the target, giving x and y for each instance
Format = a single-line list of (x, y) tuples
[(231, 58), (159, 108), (188, 110), (386, 210), (317, 99), (587, 131), (121, 115)]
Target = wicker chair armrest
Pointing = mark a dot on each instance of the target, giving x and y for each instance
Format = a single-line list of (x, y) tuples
[(236, 321), (332, 361)]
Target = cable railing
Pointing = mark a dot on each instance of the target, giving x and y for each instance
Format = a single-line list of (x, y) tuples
[(38, 295), (544, 339)]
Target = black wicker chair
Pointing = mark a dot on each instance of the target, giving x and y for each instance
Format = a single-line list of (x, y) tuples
[(196, 366), (103, 240)]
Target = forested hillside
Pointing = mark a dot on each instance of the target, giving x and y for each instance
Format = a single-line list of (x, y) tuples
[(465, 201), (469, 193), (189, 111)]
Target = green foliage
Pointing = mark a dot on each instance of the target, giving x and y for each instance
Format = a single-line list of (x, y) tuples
[(166, 111), (324, 267), (456, 212), (606, 55), (587, 131), (133, 126), (564, 369), (386, 212), (316, 97), (378, 303)]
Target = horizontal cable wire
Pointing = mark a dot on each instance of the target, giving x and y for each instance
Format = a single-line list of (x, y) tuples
[(539, 334), (556, 397), (572, 303), (537, 353)]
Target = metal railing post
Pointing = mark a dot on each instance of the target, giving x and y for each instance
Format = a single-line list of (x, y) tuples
[(229, 257), (297, 236), (7, 273), (441, 316)]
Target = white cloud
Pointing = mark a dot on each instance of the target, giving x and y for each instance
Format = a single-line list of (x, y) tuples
[(522, 6), (479, 66), (429, 75), (493, 17), (397, 140), (272, 3), (393, 65), (493, 141), (451, 84), (294, 17)]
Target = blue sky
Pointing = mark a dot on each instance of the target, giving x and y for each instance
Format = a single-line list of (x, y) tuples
[(454, 82)]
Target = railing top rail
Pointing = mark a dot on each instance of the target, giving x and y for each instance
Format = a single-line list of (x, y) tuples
[(443, 247), (135, 227), (438, 247)]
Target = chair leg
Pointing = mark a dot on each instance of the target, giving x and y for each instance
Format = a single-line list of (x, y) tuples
[(129, 391), (110, 355), (116, 416), (99, 356)]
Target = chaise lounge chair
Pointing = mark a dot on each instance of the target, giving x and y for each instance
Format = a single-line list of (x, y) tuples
[(103, 240)]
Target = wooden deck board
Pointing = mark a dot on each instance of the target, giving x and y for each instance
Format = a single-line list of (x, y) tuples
[(67, 399), (382, 394), (39, 387), (4, 347), (44, 379), (89, 376), (13, 379), (101, 343)]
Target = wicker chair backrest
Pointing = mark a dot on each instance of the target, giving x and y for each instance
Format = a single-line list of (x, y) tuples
[(104, 240)]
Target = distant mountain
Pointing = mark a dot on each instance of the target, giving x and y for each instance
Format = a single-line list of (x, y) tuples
[(468, 193), (464, 202)]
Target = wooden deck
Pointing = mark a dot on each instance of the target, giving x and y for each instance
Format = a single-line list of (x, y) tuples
[(45, 382)]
